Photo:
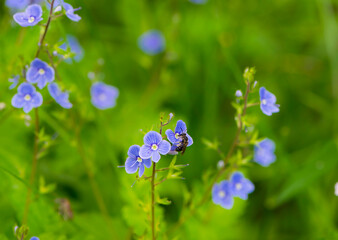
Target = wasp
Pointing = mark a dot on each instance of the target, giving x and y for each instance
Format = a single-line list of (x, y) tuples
[(183, 143)]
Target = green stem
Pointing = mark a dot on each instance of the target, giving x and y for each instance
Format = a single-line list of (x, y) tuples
[(153, 202)]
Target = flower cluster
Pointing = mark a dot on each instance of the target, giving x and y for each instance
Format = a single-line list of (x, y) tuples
[(154, 146), (238, 186)]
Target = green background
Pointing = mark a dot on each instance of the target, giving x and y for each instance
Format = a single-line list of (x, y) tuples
[(292, 44)]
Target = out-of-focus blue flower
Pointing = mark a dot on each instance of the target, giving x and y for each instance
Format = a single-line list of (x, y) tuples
[(70, 12), (14, 81), (60, 97), (264, 152), (17, 4), (240, 186), (27, 98), (268, 102), (152, 42), (74, 46), (103, 95), (221, 194), (238, 93), (40, 72), (198, 1), (154, 146), (134, 161), (30, 17), (35, 238), (174, 137)]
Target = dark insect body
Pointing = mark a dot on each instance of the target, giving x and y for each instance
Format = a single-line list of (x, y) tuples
[(182, 145)]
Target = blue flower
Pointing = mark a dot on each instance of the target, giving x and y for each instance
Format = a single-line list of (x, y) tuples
[(152, 42), (60, 97), (240, 186), (30, 17), (17, 4), (198, 1), (40, 72), (268, 102), (264, 152), (14, 81), (34, 238), (103, 95), (154, 146), (134, 161), (75, 48), (174, 137), (70, 12), (221, 194), (27, 98)]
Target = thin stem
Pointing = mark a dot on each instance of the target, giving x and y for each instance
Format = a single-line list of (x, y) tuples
[(34, 167), (252, 104), (153, 202)]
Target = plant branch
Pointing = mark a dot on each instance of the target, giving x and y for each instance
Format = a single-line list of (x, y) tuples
[(153, 202)]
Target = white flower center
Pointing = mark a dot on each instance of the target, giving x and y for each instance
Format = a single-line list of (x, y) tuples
[(238, 186), (139, 159), (41, 71), (154, 147), (27, 97), (176, 135), (102, 97), (31, 19), (221, 194), (264, 101)]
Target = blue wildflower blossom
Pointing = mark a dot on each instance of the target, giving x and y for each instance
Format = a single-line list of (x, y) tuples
[(264, 152), (35, 238), (40, 72), (30, 17), (60, 97), (103, 95), (27, 98), (152, 42), (240, 186), (17, 4), (14, 81), (198, 1), (174, 137), (268, 102), (75, 48), (70, 12), (221, 194), (153, 146), (134, 161)]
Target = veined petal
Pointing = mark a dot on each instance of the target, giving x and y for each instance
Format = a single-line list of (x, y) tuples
[(190, 141), (181, 127), (36, 100), (131, 165), (18, 101), (171, 136), (155, 157), (141, 170), (152, 137), (133, 151), (147, 162), (164, 147), (27, 107), (145, 151)]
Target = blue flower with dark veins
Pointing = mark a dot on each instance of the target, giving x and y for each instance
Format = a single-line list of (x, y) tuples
[(75, 48), (268, 102), (27, 98), (30, 17), (222, 195), (177, 137), (264, 152), (240, 186), (103, 95), (40, 72), (153, 146), (134, 161), (60, 97), (14, 81), (152, 42)]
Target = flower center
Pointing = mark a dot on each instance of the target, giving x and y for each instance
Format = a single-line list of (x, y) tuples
[(139, 159), (221, 194), (102, 97), (41, 71), (264, 101), (31, 19), (27, 97), (176, 135), (238, 186), (154, 147)]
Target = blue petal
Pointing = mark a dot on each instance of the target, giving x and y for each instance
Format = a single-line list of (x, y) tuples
[(190, 141), (36, 100), (267, 144), (152, 42), (147, 162), (181, 127), (152, 137), (164, 147), (145, 152), (133, 151), (26, 88), (27, 107), (18, 101), (141, 170), (131, 165), (42, 82), (70, 12), (34, 10), (155, 157), (171, 136), (34, 238), (236, 177)]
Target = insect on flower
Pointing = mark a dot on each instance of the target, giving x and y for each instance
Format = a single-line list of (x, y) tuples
[(180, 138), (30, 17)]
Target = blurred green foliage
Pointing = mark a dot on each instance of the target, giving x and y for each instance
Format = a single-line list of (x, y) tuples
[(292, 44)]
